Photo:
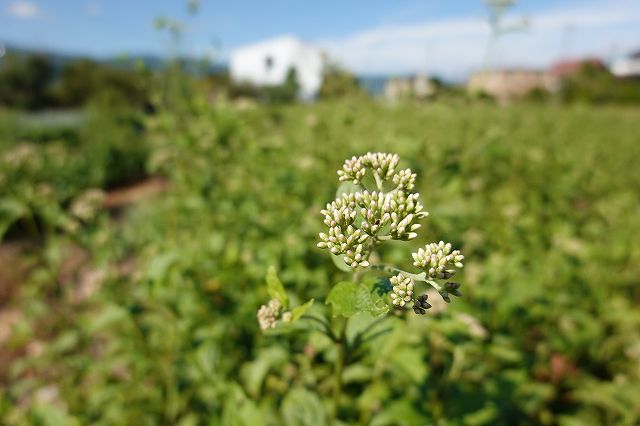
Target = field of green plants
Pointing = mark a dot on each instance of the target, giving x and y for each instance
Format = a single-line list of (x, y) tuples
[(138, 307)]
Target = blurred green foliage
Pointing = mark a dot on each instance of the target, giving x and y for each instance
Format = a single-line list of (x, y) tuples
[(82, 81), (25, 82), (595, 85), (338, 83), (38, 81), (147, 315)]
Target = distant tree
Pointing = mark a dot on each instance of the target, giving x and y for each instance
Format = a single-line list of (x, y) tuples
[(78, 81), (339, 83), (84, 80), (595, 84), (25, 81), (285, 92)]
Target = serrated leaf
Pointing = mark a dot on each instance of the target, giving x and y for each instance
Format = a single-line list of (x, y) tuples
[(275, 287), (347, 299), (299, 311)]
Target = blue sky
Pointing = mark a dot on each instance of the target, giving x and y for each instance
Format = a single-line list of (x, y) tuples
[(369, 37)]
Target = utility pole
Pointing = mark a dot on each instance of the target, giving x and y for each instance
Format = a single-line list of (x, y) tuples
[(497, 10)]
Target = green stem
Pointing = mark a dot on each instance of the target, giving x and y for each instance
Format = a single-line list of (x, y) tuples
[(378, 181), (376, 334), (422, 277), (327, 328), (357, 341), (341, 343)]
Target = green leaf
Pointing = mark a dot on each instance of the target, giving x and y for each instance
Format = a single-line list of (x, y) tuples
[(108, 317), (400, 413), (10, 211), (253, 373), (339, 262), (347, 299), (291, 326), (347, 187), (239, 410), (299, 311), (303, 408), (275, 287)]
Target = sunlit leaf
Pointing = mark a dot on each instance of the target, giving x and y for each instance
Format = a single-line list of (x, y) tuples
[(275, 287), (299, 311), (347, 299), (303, 408)]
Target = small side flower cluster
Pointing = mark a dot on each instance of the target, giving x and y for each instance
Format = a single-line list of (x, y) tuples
[(86, 205), (421, 305), (450, 288), (268, 314), (402, 289), (437, 260)]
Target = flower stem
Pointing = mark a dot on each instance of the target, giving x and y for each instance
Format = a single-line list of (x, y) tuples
[(416, 277), (341, 343), (357, 341), (327, 328), (378, 181)]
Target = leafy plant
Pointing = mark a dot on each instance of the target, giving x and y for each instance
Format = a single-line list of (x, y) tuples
[(358, 222)]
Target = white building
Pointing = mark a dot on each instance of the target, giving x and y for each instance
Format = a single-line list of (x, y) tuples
[(267, 63), (628, 67)]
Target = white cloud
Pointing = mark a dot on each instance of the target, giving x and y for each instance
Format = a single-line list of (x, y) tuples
[(454, 47), (23, 9)]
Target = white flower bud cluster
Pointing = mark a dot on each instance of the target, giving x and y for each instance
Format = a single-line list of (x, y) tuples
[(383, 164), (405, 212), (402, 290), (87, 204), (354, 218), (343, 237), (353, 170), (404, 179), (380, 163), (374, 208), (435, 259), (393, 209), (357, 257), (340, 212), (268, 314)]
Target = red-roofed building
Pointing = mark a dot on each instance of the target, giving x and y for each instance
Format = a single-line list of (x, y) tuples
[(564, 68)]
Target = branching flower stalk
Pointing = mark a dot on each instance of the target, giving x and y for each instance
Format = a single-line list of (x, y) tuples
[(375, 203), (359, 221)]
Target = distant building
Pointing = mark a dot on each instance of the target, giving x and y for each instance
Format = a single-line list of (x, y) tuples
[(267, 63), (415, 87), (508, 84), (563, 69), (628, 67)]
